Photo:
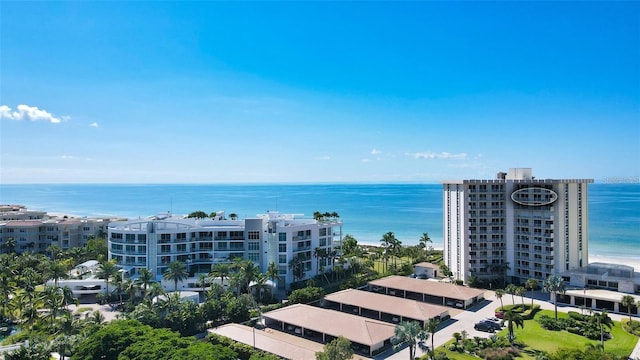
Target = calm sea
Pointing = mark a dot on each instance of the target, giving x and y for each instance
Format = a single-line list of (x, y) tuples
[(368, 211)]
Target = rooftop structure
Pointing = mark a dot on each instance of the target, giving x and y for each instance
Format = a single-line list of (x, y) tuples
[(427, 291), (384, 307), (365, 334)]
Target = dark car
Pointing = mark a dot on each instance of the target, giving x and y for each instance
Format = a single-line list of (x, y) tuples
[(487, 326)]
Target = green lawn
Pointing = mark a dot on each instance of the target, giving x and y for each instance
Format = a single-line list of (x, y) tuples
[(537, 338)]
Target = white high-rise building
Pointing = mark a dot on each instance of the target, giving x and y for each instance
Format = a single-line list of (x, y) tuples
[(155, 242), (515, 227)]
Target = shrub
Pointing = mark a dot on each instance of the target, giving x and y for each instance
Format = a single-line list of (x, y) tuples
[(549, 323), (576, 316), (632, 327)]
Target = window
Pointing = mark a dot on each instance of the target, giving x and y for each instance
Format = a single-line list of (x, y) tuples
[(323, 231), (181, 236), (142, 238), (130, 237), (323, 242), (254, 245), (282, 236), (164, 237), (255, 257), (253, 235), (181, 247), (282, 247), (165, 249), (282, 259)]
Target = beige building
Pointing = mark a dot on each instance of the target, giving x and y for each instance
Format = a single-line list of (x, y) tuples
[(35, 231), (515, 227)]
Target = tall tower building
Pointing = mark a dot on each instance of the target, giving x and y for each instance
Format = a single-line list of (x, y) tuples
[(515, 227)]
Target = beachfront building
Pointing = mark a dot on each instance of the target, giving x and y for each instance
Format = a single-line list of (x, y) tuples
[(24, 230), (515, 227), (155, 242)]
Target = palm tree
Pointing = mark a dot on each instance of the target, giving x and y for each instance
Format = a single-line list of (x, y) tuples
[(520, 291), (273, 273), (52, 297), (155, 290), (249, 273), (176, 271), (511, 290), (68, 297), (296, 265), (318, 253), (628, 301), (408, 332), (220, 270), (386, 244), (554, 285), (499, 294), (56, 270), (131, 288), (106, 271), (431, 327), (513, 318), (531, 284), (604, 321), (10, 244), (144, 278), (260, 284), (202, 281), (424, 240)]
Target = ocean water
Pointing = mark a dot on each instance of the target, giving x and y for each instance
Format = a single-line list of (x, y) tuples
[(367, 210)]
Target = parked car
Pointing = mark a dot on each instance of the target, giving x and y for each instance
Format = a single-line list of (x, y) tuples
[(422, 276), (494, 320), (487, 326)]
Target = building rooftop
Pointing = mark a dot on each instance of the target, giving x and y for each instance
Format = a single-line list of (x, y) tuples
[(355, 328), (434, 288), (389, 304), (429, 265)]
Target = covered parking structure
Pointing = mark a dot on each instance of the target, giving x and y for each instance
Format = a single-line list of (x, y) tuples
[(367, 336), (598, 299), (383, 307), (427, 291)]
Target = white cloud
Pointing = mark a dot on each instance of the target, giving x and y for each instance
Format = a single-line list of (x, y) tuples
[(32, 113), (94, 124), (375, 152), (441, 155), (365, 160), (324, 157)]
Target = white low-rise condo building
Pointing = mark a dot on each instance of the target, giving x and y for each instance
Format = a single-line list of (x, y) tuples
[(515, 227), (155, 242)]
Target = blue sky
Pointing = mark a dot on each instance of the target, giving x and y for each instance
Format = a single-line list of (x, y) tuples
[(317, 92)]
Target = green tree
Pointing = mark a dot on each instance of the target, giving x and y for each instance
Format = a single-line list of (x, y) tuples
[(511, 290), (410, 333), (520, 291), (305, 295), (423, 241), (629, 302), (531, 284), (337, 349), (603, 321), (273, 273), (349, 245), (499, 295), (512, 318), (199, 214), (56, 271), (296, 265), (554, 285), (176, 272), (107, 271), (37, 349), (145, 277), (431, 327), (220, 270)]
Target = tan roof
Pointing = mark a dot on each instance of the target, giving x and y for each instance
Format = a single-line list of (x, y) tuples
[(355, 328), (427, 265), (434, 288), (389, 304), (24, 223), (601, 294), (276, 342)]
